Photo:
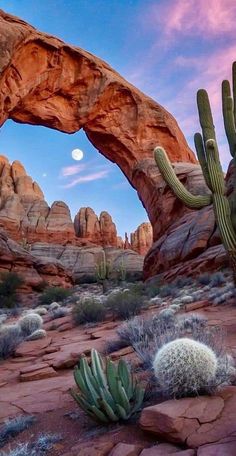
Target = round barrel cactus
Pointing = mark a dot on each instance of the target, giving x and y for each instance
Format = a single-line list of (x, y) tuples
[(185, 367)]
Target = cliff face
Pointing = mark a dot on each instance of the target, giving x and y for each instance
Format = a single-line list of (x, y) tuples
[(26, 217), (142, 238), (24, 214), (100, 231)]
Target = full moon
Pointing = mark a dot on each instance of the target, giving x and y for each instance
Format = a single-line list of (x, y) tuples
[(77, 154)]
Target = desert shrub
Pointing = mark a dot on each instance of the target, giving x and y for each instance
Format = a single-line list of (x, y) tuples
[(168, 290), (152, 289), (10, 338), (86, 279), (38, 334), (41, 311), (9, 284), (148, 334), (30, 323), (185, 367), (115, 345), (58, 313), (14, 426), (124, 304), (217, 279), (52, 294), (204, 279), (183, 282), (88, 310)]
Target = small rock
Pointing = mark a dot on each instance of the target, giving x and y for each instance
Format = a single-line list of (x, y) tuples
[(124, 449)]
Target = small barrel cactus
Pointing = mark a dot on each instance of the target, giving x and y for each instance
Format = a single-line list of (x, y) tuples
[(54, 306), (30, 323), (38, 334), (185, 367)]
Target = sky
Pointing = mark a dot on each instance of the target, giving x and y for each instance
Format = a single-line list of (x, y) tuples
[(167, 48)]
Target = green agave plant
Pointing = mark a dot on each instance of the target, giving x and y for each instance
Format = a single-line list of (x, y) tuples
[(108, 393)]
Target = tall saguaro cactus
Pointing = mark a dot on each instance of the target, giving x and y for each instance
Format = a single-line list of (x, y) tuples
[(208, 156)]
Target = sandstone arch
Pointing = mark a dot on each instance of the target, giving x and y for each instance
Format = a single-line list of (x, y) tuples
[(45, 82)]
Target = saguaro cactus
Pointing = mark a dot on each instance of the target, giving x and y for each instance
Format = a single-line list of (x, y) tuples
[(208, 156)]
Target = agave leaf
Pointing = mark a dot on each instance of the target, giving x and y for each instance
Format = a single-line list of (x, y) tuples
[(139, 395), (110, 413), (112, 380), (80, 381), (92, 390), (99, 414), (121, 412), (125, 377), (124, 401)]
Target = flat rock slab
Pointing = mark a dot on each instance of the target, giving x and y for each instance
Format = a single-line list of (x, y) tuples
[(164, 449), (33, 347), (226, 447), (38, 374), (193, 421), (124, 449)]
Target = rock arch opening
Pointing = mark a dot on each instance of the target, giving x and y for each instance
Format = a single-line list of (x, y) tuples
[(45, 82)]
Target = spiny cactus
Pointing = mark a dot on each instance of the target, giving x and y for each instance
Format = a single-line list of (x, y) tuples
[(107, 392), (185, 367), (38, 334), (222, 198), (30, 323), (103, 271)]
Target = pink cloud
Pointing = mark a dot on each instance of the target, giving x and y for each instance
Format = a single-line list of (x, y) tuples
[(87, 178), (72, 170), (194, 17)]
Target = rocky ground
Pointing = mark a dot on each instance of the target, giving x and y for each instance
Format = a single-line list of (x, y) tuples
[(37, 379)]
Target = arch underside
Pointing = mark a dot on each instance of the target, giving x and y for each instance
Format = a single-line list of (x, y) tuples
[(45, 82)]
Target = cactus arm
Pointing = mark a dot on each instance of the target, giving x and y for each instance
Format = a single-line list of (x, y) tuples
[(199, 146), (205, 115), (228, 115), (168, 174), (214, 166)]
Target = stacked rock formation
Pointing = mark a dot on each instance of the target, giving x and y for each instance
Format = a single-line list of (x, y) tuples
[(100, 231)]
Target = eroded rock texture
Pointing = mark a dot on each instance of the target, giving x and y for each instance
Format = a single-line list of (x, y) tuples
[(100, 231), (43, 81), (142, 238)]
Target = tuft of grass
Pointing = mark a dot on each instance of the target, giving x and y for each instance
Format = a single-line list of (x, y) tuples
[(45, 442), (88, 310), (39, 447), (217, 279), (125, 304), (11, 428), (52, 294)]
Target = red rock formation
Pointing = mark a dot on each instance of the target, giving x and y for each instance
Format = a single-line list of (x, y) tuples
[(33, 270), (100, 231), (43, 81), (142, 238), (24, 213)]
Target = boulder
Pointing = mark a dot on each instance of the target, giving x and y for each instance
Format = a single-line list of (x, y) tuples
[(194, 421)]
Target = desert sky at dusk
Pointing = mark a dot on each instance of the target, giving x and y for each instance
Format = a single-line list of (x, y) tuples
[(166, 48)]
